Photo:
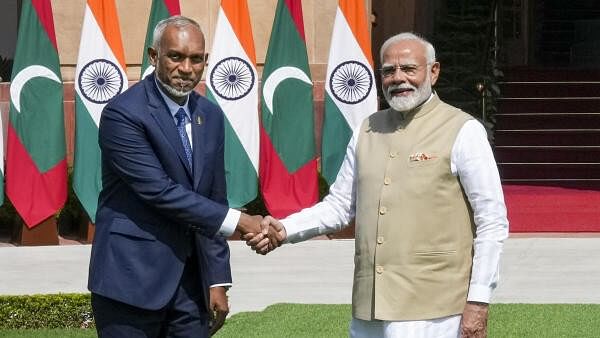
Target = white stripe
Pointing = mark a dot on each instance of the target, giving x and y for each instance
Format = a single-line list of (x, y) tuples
[(344, 47), (93, 46), (242, 113)]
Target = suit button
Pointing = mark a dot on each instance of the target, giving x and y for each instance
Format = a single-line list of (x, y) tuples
[(379, 269), (387, 181), (380, 240), (392, 154), (382, 210)]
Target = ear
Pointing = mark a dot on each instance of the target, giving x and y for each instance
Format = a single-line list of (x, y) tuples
[(153, 56), (435, 72)]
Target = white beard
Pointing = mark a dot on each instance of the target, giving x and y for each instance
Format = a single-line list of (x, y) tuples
[(411, 101), (172, 90)]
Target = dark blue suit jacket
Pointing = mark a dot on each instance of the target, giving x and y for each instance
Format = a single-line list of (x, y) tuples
[(150, 199)]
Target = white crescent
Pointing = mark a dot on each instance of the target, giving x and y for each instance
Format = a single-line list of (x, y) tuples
[(25, 75), (279, 75)]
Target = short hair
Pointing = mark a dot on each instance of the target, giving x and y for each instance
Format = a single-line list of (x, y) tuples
[(429, 50), (178, 21)]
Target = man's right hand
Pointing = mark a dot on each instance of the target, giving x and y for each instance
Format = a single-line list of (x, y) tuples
[(250, 224), (272, 234)]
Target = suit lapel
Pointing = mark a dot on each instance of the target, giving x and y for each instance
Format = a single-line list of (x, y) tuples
[(198, 135), (158, 109)]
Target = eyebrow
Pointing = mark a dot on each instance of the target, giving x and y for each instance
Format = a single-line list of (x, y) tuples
[(399, 64)]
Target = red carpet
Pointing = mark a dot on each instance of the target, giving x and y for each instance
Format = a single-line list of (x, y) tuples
[(552, 209)]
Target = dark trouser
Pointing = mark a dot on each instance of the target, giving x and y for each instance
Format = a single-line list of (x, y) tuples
[(184, 316)]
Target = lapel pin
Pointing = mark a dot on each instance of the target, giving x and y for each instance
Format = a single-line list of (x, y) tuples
[(198, 120)]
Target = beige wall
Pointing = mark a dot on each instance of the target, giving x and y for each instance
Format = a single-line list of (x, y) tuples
[(133, 16)]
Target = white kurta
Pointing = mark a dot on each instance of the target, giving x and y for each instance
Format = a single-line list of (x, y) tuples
[(473, 162)]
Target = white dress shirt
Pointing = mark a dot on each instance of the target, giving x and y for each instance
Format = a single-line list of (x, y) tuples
[(231, 219), (473, 162)]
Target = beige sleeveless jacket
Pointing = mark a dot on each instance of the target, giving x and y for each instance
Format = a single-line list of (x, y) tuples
[(414, 233)]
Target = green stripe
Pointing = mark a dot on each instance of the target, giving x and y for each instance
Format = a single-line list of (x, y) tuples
[(242, 179), (336, 135), (87, 174)]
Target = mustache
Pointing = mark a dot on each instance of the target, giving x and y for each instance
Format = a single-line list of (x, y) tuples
[(175, 91), (183, 79), (400, 86)]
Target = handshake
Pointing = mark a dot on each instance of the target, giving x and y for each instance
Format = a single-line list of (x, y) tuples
[(262, 234)]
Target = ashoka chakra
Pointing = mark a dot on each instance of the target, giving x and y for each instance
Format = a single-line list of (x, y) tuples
[(350, 82), (232, 78), (100, 80)]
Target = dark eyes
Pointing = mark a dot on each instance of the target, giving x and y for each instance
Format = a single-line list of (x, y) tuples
[(176, 57), (409, 70)]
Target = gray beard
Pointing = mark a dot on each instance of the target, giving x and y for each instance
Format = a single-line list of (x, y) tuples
[(406, 103), (172, 90)]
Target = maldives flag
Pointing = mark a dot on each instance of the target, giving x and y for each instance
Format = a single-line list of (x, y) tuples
[(36, 166), (231, 82), (161, 9), (288, 166), (99, 76), (350, 94)]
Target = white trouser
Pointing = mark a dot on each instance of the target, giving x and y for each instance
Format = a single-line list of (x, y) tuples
[(447, 327)]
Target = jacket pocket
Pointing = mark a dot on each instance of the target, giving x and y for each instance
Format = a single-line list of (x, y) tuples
[(435, 252), (423, 163)]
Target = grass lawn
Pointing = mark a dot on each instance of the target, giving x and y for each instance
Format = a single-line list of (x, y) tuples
[(299, 320)]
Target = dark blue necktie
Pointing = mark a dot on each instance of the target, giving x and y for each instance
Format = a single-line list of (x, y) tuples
[(180, 116)]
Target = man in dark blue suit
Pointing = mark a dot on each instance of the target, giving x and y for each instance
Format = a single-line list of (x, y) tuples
[(162, 216)]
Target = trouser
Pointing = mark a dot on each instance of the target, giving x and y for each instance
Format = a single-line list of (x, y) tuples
[(447, 327), (184, 316)]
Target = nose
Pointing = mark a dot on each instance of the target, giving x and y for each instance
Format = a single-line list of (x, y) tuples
[(185, 66), (398, 76)]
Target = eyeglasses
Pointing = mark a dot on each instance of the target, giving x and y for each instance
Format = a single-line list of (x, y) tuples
[(408, 70)]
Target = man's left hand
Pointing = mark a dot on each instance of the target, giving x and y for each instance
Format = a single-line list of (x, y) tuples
[(474, 320), (219, 307)]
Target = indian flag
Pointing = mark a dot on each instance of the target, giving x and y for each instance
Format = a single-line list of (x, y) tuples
[(161, 9), (231, 82), (99, 76), (350, 94)]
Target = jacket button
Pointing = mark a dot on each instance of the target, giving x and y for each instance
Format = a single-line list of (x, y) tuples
[(379, 269), (392, 154), (380, 240), (387, 181), (382, 210)]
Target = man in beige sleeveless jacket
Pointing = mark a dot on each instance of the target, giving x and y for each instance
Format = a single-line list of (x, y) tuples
[(421, 181)]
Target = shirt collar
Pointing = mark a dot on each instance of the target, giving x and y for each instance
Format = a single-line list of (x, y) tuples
[(172, 105)]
